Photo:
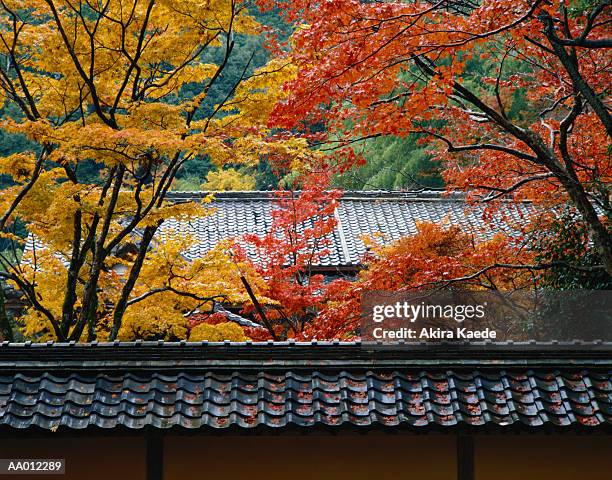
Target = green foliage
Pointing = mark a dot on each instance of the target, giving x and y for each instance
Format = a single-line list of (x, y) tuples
[(516, 105), (581, 7), (265, 178), (247, 55), (11, 143), (567, 242), (393, 163), (193, 174), (187, 184), (6, 251), (8, 248)]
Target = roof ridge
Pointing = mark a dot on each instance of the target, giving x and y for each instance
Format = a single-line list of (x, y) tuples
[(372, 195), (347, 194)]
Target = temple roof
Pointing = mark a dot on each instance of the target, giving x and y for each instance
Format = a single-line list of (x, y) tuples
[(386, 216)]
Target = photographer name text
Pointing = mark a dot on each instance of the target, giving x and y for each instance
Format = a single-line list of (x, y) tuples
[(425, 333)]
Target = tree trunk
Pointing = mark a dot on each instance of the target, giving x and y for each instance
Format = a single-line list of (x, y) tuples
[(6, 331), (602, 238), (145, 241)]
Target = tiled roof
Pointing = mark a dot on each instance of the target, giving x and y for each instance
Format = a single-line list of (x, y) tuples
[(304, 385), (387, 215)]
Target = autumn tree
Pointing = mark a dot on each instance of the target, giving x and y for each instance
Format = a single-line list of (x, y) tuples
[(286, 257), (97, 83), (436, 256), (454, 72)]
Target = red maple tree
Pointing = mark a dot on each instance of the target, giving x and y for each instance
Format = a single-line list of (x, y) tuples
[(514, 91), (296, 243)]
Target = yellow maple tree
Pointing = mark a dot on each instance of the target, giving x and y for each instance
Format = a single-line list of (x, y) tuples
[(98, 83)]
